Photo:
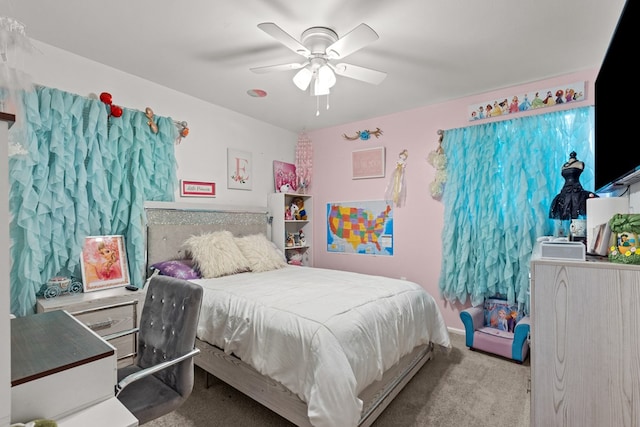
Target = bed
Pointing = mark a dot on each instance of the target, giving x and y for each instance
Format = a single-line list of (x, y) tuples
[(319, 347)]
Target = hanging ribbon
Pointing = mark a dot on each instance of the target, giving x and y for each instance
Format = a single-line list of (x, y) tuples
[(438, 160), (397, 189)]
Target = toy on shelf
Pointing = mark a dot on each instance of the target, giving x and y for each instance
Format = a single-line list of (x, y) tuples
[(294, 257), (290, 240), (297, 209), (302, 242)]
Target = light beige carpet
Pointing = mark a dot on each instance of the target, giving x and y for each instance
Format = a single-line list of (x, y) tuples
[(459, 388)]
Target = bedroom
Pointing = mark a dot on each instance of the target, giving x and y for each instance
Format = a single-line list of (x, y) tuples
[(214, 129)]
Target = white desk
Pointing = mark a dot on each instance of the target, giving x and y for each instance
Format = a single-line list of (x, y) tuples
[(108, 413), (62, 370)]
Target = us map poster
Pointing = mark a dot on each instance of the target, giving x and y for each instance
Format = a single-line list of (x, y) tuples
[(364, 228)]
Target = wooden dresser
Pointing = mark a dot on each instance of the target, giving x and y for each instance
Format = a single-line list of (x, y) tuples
[(585, 343), (105, 312)]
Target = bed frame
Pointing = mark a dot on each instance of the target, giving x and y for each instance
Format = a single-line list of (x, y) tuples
[(168, 228)]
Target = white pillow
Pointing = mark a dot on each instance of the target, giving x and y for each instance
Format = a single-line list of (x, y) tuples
[(216, 254), (262, 254)]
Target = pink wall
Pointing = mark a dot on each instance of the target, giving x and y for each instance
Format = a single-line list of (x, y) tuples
[(417, 225)]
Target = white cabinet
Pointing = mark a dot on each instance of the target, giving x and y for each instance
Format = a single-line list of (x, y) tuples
[(105, 312), (585, 343), (294, 237)]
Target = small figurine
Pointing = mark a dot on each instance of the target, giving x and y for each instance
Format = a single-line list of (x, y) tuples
[(290, 239), (301, 238), (294, 211), (295, 258), (287, 213)]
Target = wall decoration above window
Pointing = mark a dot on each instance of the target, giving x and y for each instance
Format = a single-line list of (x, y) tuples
[(531, 100), (363, 135), (239, 169), (367, 163)]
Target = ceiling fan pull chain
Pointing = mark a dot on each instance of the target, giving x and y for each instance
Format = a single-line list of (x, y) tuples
[(317, 106), (327, 101)]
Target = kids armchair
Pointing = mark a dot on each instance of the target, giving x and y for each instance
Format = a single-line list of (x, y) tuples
[(497, 327)]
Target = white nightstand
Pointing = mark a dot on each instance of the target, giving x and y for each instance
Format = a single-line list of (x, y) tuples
[(105, 312)]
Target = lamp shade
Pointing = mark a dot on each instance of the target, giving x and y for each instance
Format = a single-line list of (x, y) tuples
[(302, 78), (326, 76)]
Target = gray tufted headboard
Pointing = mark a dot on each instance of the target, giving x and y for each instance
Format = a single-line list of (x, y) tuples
[(168, 228)]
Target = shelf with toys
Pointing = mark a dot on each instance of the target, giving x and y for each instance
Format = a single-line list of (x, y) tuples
[(292, 226)]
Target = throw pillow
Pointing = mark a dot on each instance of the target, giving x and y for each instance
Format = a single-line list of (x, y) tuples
[(216, 254), (262, 254), (180, 268), (501, 315)]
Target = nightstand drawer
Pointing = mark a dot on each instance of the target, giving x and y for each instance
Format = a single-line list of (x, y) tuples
[(110, 319), (105, 312)]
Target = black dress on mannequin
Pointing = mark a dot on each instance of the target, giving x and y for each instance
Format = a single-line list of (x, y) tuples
[(571, 202)]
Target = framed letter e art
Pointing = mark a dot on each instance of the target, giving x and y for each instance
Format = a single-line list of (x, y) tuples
[(239, 169)]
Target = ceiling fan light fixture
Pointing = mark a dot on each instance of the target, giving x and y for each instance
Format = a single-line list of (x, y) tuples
[(326, 77), (302, 78), (319, 88)]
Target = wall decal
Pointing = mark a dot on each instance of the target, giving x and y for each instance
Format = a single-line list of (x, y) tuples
[(364, 135)]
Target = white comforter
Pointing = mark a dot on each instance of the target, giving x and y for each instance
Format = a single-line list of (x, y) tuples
[(324, 334)]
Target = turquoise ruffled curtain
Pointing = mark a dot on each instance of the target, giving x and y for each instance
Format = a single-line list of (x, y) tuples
[(84, 174), (501, 178)]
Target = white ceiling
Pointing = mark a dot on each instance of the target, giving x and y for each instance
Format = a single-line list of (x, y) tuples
[(433, 51)]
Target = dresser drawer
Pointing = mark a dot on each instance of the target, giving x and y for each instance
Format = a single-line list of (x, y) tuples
[(105, 312), (110, 319)]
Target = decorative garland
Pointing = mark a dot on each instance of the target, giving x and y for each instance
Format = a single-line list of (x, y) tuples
[(438, 159), (304, 162), (364, 135)]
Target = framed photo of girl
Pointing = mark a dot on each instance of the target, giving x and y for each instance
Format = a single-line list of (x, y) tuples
[(104, 263)]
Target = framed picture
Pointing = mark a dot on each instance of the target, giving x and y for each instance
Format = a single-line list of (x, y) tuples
[(197, 189), (104, 263), (284, 176), (367, 163), (239, 169)]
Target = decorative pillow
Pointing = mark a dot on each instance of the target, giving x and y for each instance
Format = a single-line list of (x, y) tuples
[(216, 254), (499, 314), (180, 268), (262, 254)]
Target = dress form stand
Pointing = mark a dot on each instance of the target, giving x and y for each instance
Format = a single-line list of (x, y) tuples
[(569, 207)]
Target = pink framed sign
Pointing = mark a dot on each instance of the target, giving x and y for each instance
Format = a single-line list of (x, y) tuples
[(197, 189), (367, 163)]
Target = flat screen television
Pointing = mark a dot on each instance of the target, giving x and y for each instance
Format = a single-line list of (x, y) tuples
[(617, 125)]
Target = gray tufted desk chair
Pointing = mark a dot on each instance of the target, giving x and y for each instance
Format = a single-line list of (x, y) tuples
[(161, 378)]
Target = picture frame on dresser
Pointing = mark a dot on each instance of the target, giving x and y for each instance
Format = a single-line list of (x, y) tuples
[(104, 263)]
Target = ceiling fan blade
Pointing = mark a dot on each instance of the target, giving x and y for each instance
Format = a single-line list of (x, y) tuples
[(367, 75), (280, 67), (283, 37), (355, 40)]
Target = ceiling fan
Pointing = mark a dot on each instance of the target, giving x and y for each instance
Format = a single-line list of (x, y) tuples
[(322, 48)]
